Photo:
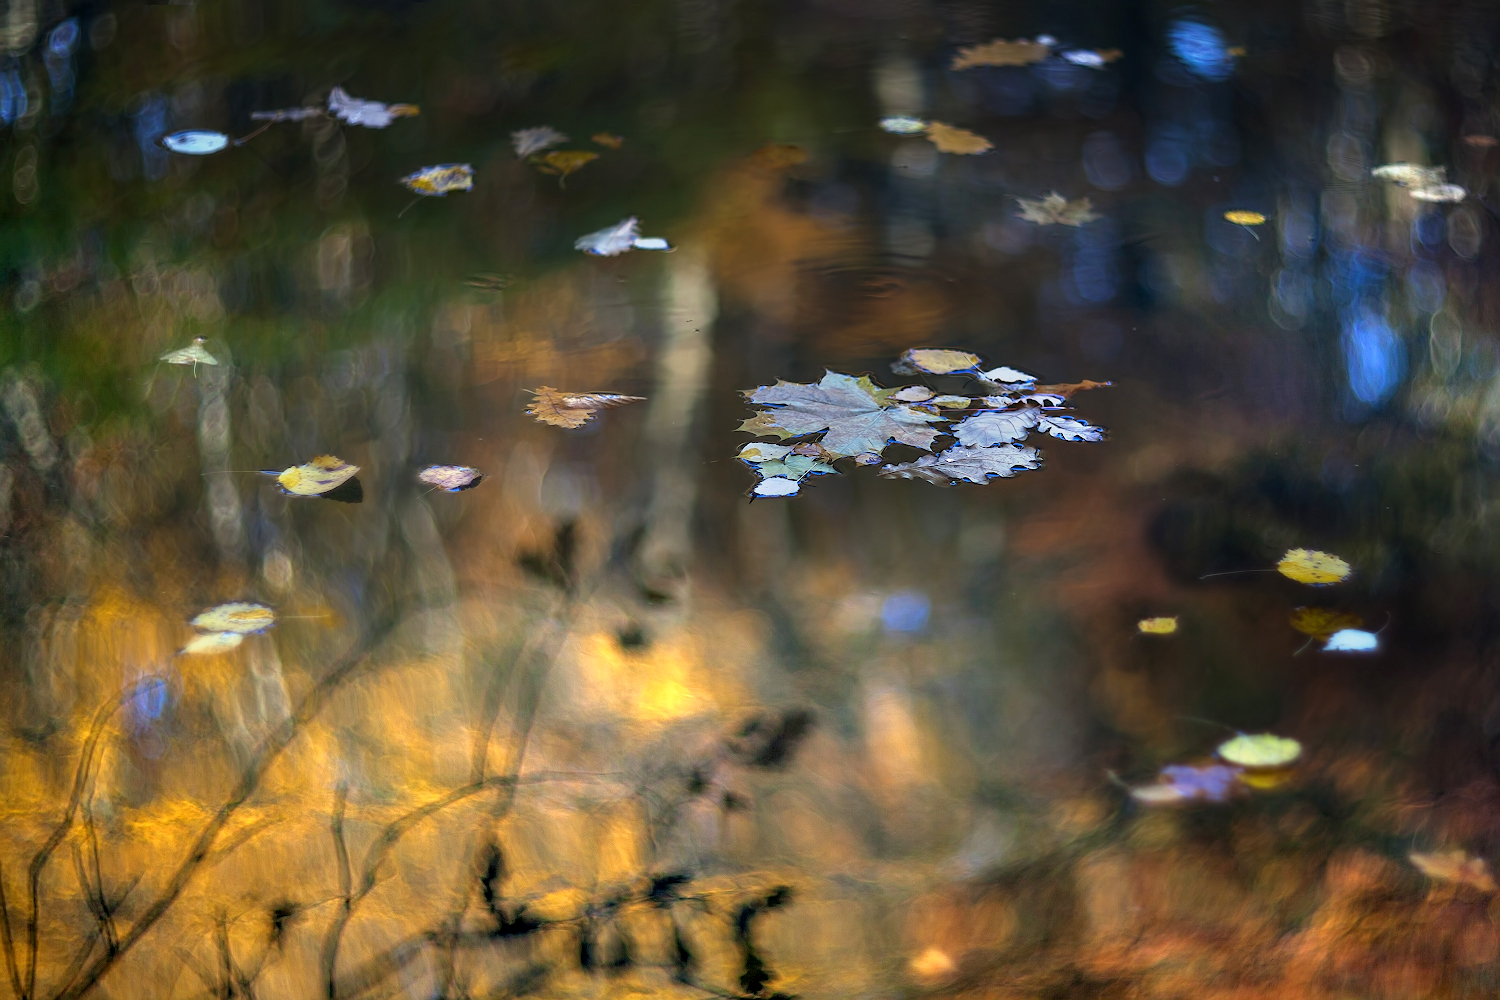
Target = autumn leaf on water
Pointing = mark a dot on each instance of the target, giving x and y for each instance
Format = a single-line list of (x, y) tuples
[(241, 617), (440, 179), (1244, 217), (194, 354), (1352, 640), (212, 643), (286, 114), (563, 162), (1448, 193), (451, 478), (1091, 58), (1157, 626), (1422, 183), (903, 125), (573, 409), (1262, 751), (1455, 866), (1480, 141), (195, 141), (851, 410), (607, 140), (935, 361), (611, 241), (1181, 784), (533, 140), (1316, 569), (985, 430), (1000, 52), (1320, 623), (1054, 209), (370, 114), (1008, 377), (322, 475), (952, 139), (1066, 428), (1067, 389), (967, 465), (780, 469)]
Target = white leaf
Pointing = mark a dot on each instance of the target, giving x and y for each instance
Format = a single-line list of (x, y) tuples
[(1351, 640), (370, 114), (213, 642), (1045, 399), (970, 465), (984, 430), (1440, 192), (1004, 374), (1070, 428), (611, 241), (903, 125), (777, 486), (757, 451), (650, 243), (913, 394), (534, 140)]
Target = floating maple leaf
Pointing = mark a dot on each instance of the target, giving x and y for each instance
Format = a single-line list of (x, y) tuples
[(856, 414), (952, 139), (573, 409), (370, 114), (968, 465), (1054, 209), (533, 140), (1000, 52)]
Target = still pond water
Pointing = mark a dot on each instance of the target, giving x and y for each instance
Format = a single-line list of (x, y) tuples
[(624, 708)]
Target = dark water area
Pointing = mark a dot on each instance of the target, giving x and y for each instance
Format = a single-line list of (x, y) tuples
[(922, 684)]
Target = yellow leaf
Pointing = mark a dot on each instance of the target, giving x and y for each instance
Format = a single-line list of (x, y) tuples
[(563, 162), (939, 361), (573, 409), (1263, 750), (1320, 623), (1242, 217), (213, 642), (932, 964), (1157, 626), (1316, 569), (240, 617), (321, 475), (1455, 866), (951, 139), (441, 179), (1000, 52)]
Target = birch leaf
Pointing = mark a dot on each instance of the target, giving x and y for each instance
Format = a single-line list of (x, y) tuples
[(1316, 569), (573, 409), (370, 114), (1054, 209), (533, 140), (856, 418), (935, 361), (438, 180), (451, 478), (1000, 52), (1157, 626), (321, 475), (968, 465), (1263, 750), (985, 430), (1067, 428), (952, 139), (242, 617)]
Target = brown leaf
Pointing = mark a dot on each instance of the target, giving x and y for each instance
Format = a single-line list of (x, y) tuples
[(1455, 866), (1000, 52), (951, 139), (573, 409), (607, 140), (1066, 389)]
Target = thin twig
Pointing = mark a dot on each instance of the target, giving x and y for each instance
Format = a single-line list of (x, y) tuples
[(9, 942)]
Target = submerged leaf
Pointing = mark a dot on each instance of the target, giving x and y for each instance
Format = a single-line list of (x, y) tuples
[(321, 475), (1263, 750), (212, 642), (440, 179), (241, 617), (193, 354), (195, 141), (1054, 209), (1157, 626), (968, 465), (1316, 569), (903, 125), (1352, 640), (612, 241), (607, 140), (451, 478), (370, 114), (984, 430), (573, 409), (1000, 52), (935, 361), (855, 418), (952, 139), (1455, 866), (1320, 623), (1182, 783), (533, 140), (563, 162)]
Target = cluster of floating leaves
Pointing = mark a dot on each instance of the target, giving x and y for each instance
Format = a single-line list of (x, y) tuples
[(1422, 183), (1026, 52), (530, 144), (573, 409), (1246, 762), (349, 110), (858, 419), (1053, 209), (224, 626), (947, 138)]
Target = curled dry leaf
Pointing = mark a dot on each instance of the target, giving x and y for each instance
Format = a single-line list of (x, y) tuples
[(1000, 52), (1054, 209), (533, 140), (1157, 626), (967, 465), (1321, 623), (451, 478), (1181, 784), (1066, 389), (573, 409), (322, 475), (370, 114), (241, 617), (1455, 866), (193, 354), (1066, 428), (440, 179), (1316, 569), (1260, 751), (952, 139), (857, 415)]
